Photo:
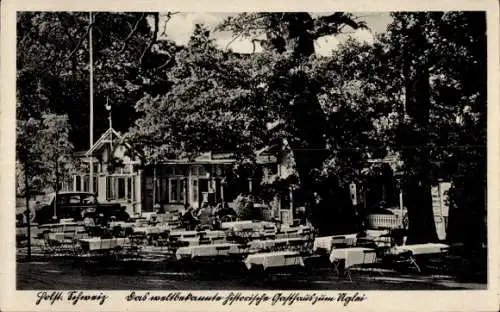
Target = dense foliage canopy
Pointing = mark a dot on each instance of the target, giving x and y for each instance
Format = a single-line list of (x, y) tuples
[(418, 91)]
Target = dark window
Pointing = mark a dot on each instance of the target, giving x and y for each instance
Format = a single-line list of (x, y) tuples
[(62, 199), (109, 188), (129, 188), (164, 190), (78, 186), (89, 200), (86, 183), (74, 199), (121, 188)]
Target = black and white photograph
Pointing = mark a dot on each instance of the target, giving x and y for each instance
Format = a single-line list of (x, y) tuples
[(173, 150)]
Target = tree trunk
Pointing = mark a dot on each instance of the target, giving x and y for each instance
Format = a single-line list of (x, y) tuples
[(28, 215), (56, 189), (308, 146), (416, 155)]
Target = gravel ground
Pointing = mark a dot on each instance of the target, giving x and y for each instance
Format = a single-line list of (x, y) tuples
[(171, 275)]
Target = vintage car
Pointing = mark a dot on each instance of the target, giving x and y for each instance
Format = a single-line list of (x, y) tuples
[(76, 206)]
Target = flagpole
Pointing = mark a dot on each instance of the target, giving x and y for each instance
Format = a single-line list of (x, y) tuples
[(91, 127)]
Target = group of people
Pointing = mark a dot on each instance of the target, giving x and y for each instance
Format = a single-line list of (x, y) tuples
[(205, 216)]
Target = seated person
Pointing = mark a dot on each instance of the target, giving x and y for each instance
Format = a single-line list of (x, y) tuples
[(122, 215), (153, 220), (88, 221), (225, 211), (188, 219), (158, 209), (205, 214)]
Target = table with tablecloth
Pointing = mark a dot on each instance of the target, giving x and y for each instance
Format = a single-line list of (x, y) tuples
[(353, 256), (272, 243), (376, 233), (96, 243), (259, 226), (121, 224), (326, 242), (210, 250), (62, 236), (274, 259), (62, 227), (421, 249), (294, 231), (322, 243), (193, 241), (212, 234), (184, 234), (156, 229)]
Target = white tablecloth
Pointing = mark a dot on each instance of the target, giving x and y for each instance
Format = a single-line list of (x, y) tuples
[(274, 259), (151, 229), (62, 227), (191, 241), (248, 225), (61, 236), (421, 249), (184, 234), (207, 250), (322, 242), (325, 242), (353, 256), (270, 243), (122, 224), (213, 234), (376, 233), (97, 243)]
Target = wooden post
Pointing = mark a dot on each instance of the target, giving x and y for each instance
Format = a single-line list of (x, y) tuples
[(222, 184), (56, 188), (91, 127), (184, 190), (154, 183)]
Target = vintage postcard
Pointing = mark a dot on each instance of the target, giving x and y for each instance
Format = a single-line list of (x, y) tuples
[(212, 155)]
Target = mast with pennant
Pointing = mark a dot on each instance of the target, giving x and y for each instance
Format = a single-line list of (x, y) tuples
[(91, 127)]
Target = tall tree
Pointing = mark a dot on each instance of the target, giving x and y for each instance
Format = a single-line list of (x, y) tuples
[(291, 36), (443, 134), (206, 107), (53, 65)]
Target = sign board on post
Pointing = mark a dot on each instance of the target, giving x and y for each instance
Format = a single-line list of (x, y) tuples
[(440, 208), (352, 190), (285, 216)]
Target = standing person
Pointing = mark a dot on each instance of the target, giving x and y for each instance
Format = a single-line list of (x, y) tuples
[(301, 215), (32, 212)]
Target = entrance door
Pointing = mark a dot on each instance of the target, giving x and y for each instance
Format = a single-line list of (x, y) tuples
[(148, 195)]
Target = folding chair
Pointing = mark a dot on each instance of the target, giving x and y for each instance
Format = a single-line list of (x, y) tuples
[(407, 258), (339, 267), (338, 242), (280, 246), (205, 241), (221, 249), (291, 259), (369, 261), (439, 262), (117, 231)]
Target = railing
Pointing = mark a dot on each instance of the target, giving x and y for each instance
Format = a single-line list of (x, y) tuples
[(384, 221)]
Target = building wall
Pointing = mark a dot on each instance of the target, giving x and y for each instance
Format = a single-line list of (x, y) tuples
[(175, 185)]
